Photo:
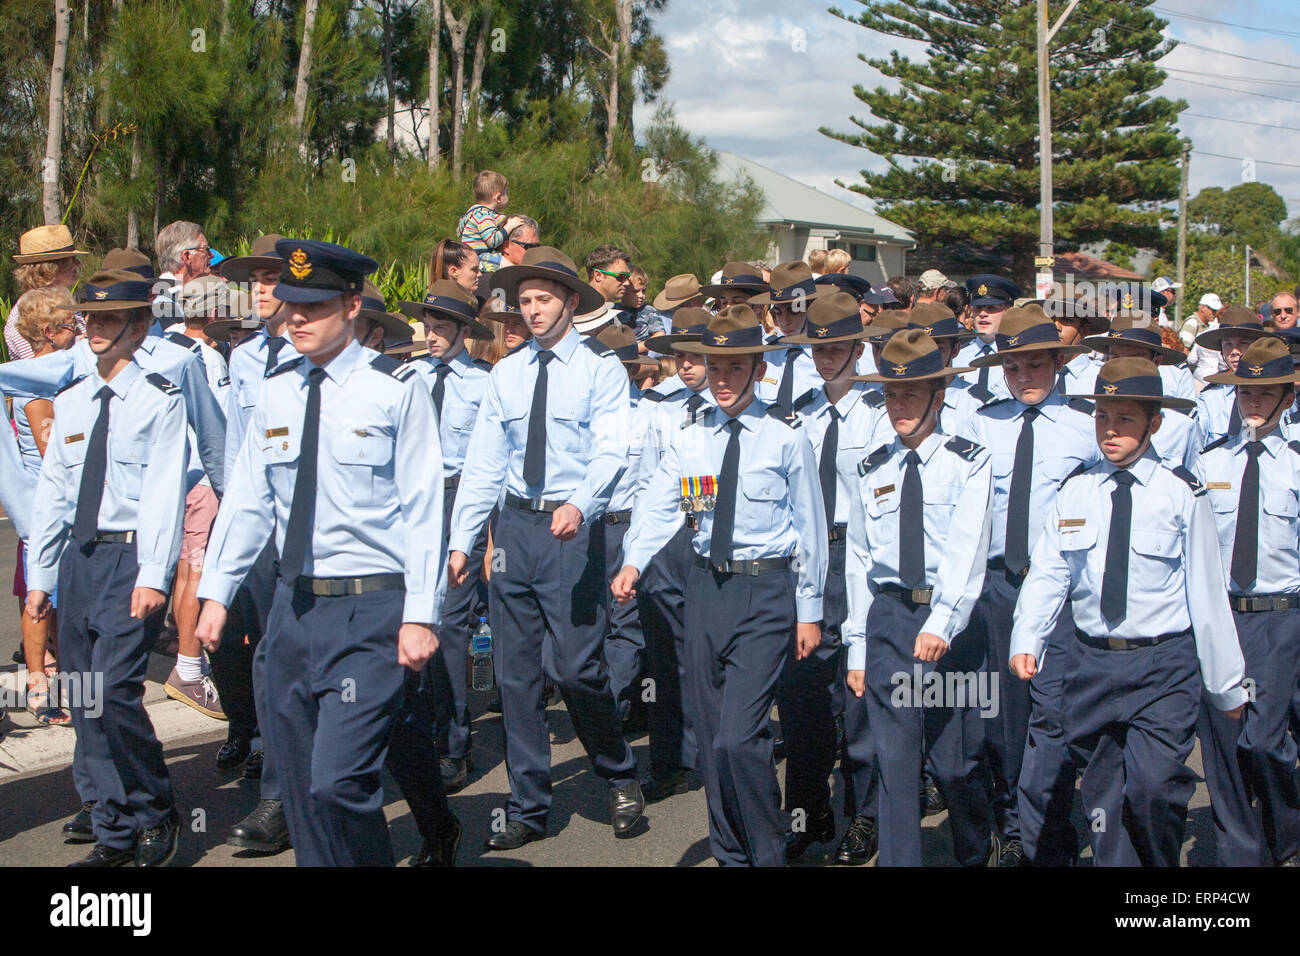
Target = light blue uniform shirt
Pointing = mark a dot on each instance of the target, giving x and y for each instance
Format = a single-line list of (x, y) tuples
[(997, 382), (663, 424), (147, 456), (956, 492), (806, 376), (247, 372), (624, 496), (1220, 468), (779, 510), (462, 393), (1064, 439), (587, 435), (17, 487), (1175, 575), (860, 411), (377, 511), (1214, 406)]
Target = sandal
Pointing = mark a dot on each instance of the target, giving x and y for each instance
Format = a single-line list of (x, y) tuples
[(38, 705)]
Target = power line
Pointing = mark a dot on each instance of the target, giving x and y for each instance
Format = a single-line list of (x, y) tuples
[(1230, 76), (1109, 25), (1228, 89), (1243, 159), (1224, 119), (1224, 23)]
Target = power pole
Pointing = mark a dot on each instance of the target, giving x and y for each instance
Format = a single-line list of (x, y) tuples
[(1182, 242), (1046, 257), (1247, 303)]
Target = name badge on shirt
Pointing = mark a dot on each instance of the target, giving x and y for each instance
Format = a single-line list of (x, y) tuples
[(80, 436), (1219, 485), (276, 432), (769, 381), (1072, 522), (877, 492)]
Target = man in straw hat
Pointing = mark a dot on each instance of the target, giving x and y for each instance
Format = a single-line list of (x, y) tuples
[(790, 372), (557, 453), (114, 430), (1131, 545), (1035, 439), (1216, 405), (1252, 478), (918, 533), (754, 588), (456, 382), (358, 526), (839, 419)]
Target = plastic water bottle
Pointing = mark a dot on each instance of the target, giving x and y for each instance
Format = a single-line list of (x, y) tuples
[(480, 656)]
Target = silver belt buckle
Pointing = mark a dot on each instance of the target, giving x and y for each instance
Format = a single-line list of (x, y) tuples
[(356, 582), (1117, 643), (535, 503)]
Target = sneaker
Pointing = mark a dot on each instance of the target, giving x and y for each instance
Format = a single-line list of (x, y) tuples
[(200, 694)]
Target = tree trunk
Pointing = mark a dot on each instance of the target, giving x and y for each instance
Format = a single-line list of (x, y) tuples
[(626, 97), (388, 78), (611, 106), (304, 70), (458, 29), (480, 55), (435, 80), (132, 213), (54, 134)]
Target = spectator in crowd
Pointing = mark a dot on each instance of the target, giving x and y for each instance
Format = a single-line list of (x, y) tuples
[(455, 261), (644, 319), (484, 227), (609, 272), (931, 286), (817, 262), (1202, 320), (46, 257), (183, 254), (956, 300), (904, 290), (1283, 311), (837, 262), (1166, 285)]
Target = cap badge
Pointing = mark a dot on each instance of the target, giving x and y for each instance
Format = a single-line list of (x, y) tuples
[(1013, 340), (982, 290), (823, 331), (1110, 389), (1128, 300), (727, 280), (720, 339), (101, 293), (299, 265), (900, 369), (1257, 370), (928, 329)]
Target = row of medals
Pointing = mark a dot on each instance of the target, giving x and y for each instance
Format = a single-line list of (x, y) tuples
[(692, 503)]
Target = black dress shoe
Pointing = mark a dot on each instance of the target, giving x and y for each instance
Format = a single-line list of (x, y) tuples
[(1012, 854), (265, 830), (664, 784), (233, 752), (860, 844), (820, 828), (253, 769), (778, 747), (932, 800), (441, 850), (106, 856), (515, 835), (1291, 861), (454, 772), (155, 846), (626, 807), (494, 707), (79, 828)]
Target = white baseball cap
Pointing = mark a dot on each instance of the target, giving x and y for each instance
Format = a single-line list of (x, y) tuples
[(1164, 283), (590, 321), (1211, 300), (932, 279)]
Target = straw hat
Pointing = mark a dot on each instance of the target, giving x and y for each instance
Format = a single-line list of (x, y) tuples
[(46, 244)]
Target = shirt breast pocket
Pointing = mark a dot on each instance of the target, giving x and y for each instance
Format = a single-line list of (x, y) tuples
[(940, 503), (129, 461), (1078, 545), (1161, 551), (882, 512), (280, 455), (366, 458), (1280, 509), (570, 415)]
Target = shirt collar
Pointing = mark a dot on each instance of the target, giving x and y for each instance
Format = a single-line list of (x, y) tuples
[(1049, 408), (563, 349), (122, 381), (847, 402), (749, 418), (1273, 442), (459, 362), (927, 448), (340, 366), (1142, 469)]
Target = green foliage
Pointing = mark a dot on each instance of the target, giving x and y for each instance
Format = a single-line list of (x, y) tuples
[(1221, 270), (1249, 212)]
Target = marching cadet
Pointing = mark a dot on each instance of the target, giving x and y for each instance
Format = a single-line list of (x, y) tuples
[(667, 409), (754, 589), (1133, 334), (1034, 439), (1131, 544), (736, 286), (1075, 321), (962, 398), (358, 527), (839, 419), (990, 296), (882, 327), (791, 372), (1251, 479), (918, 534), (557, 453), (456, 383), (239, 663), (118, 432), (1216, 405), (1133, 323)]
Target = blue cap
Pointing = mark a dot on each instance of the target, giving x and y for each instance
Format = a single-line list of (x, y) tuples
[(315, 271), (991, 290)]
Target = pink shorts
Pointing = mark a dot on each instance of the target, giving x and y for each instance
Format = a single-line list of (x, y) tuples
[(200, 512)]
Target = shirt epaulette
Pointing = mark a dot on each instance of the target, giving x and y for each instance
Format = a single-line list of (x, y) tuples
[(1198, 489), (874, 397), (981, 393), (805, 398), (597, 346), (1222, 439), (1079, 469), (162, 384), (224, 382), (651, 395), (782, 415), (990, 402), (184, 341), (964, 447), (482, 363), (69, 385), (390, 366), (1080, 404), (284, 367), (1294, 446), (873, 461)]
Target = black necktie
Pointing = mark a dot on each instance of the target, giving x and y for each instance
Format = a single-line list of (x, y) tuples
[(1114, 583), (302, 512), (1234, 420), (785, 394), (1022, 481), (724, 510), (273, 346), (1060, 382), (1245, 546), (85, 524), (693, 404), (985, 349), (535, 452), (826, 467), (911, 526), (442, 370)]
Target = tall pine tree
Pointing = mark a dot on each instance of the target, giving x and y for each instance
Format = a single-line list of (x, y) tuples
[(960, 135)]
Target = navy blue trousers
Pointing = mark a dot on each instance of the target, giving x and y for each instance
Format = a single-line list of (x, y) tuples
[(807, 701), (625, 642), (548, 614), (119, 758), (740, 631), (1255, 756), (337, 686), (944, 738), (661, 603), (413, 753), (1129, 718)]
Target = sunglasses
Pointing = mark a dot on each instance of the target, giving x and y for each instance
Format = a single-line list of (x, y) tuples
[(526, 245), (1285, 311), (620, 276)]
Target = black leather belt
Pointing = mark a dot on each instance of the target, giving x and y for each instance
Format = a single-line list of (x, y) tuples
[(533, 504), (114, 537), (838, 532), (451, 484), (743, 567), (915, 595), (338, 587), (1000, 564), (1127, 644), (618, 517), (1263, 602)]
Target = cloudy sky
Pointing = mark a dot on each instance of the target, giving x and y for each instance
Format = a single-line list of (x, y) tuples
[(758, 77)]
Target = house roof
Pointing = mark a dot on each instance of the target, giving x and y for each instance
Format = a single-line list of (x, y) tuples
[(790, 201)]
